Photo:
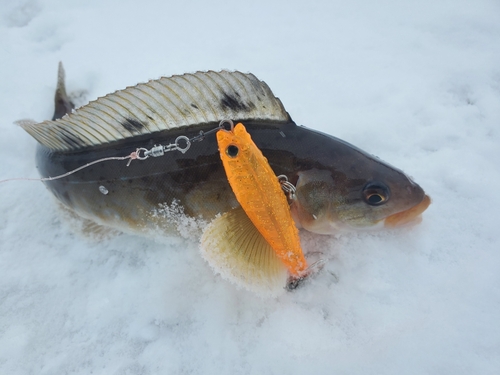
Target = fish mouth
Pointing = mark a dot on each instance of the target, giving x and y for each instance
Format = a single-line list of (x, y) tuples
[(407, 216)]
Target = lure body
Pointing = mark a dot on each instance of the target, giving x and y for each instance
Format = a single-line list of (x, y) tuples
[(259, 193)]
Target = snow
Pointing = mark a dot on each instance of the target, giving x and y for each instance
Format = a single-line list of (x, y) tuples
[(415, 82)]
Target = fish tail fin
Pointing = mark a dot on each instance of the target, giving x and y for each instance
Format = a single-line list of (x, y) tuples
[(63, 105), (233, 247)]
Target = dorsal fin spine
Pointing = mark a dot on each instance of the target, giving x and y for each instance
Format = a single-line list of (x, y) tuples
[(128, 106), (97, 130), (164, 114), (183, 92), (175, 112), (206, 89), (142, 96), (206, 116)]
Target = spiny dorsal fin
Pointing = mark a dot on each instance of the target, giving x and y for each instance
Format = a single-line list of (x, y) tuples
[(233, 246), (162, 104)]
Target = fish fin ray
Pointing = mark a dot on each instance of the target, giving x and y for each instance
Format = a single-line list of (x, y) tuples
[(176, 101), (86, 228), (233, 247), (63, 105)]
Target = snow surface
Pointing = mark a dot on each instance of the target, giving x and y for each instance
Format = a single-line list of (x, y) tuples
[(414, 82)]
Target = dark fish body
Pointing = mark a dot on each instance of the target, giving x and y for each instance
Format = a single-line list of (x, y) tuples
[(196, 179), (332, 176)]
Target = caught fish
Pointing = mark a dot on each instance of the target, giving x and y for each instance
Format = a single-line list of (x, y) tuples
[(338, 186)]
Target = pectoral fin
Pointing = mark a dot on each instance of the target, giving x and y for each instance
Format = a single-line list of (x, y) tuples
[(234, 248)]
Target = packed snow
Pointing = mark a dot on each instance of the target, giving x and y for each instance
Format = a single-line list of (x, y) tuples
[(416, 83)]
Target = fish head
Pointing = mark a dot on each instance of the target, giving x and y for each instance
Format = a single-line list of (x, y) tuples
[(371, 195)]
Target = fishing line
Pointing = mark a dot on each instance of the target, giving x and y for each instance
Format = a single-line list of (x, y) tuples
[(132, 156), (156, 151), (139, 154)]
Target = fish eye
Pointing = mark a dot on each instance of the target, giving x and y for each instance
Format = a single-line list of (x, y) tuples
[(232, 151), (375, 193)]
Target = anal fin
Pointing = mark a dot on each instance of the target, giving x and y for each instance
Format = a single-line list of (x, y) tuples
[(233, 247), (86, 227)]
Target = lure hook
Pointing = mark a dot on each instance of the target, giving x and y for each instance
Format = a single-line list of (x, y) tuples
[(287, 186)]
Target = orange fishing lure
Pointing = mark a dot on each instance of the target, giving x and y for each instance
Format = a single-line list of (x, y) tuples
[(259, 193)]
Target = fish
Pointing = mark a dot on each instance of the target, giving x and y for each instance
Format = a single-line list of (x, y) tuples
[(339, 187)]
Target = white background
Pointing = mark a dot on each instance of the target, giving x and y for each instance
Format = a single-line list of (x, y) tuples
[(415, 82)]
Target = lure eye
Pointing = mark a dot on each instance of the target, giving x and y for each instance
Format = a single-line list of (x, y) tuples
[(375, 193), (232, 151)]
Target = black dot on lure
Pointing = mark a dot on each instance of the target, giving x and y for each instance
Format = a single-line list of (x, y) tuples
[(232, 151)]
